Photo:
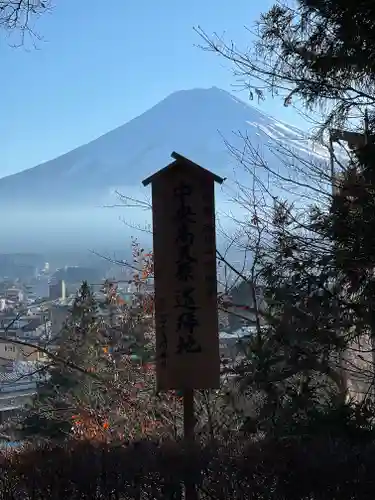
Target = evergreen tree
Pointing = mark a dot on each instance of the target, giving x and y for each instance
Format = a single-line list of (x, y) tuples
[(128, 326), (290, 366), (73, 383), (317, 269), (351, 225), (100, 390), (320, 54), (319, 283)]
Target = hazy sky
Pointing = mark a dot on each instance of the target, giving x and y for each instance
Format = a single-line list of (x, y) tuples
[(102, 63)]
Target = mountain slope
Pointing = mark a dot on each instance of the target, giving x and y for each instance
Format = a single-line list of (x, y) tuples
[(192, 122), (60, 202)]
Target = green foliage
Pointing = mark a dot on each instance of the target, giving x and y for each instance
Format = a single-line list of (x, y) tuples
[(318, 54), (324, 51), (319, 286), (80, 347)]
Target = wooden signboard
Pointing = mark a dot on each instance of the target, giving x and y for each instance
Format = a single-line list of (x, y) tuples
[(186, 320)]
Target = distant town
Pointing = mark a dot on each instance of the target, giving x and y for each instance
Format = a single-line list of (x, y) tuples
[(34, 304)]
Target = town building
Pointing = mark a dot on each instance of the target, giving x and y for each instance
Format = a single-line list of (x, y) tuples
[(18, 385), (58, 314), (57, 290), (17, 351), (32, 330), (15, 294)]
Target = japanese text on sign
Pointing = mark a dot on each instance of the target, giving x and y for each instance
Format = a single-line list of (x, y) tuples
[(187, 319)]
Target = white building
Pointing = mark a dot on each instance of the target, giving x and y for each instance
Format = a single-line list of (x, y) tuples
[(18, 385)]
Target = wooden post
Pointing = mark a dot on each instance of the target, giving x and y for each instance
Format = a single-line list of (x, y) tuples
[(184, 237), (186, 319), (189, 418), (189, 425)]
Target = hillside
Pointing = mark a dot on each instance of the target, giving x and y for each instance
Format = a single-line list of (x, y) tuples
[(63, 199), (192, 122)]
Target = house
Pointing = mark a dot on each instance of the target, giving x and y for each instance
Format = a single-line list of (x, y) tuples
[(15, 294), (231, 344), (58, 314), (14, 350), (34, 330), (18, 385), (240, 304), (27, 325), (57, 290)]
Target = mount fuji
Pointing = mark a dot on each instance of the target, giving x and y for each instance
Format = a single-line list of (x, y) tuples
[(61, 202)]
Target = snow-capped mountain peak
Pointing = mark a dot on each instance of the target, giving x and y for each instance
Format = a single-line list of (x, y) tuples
[(196, 123)]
